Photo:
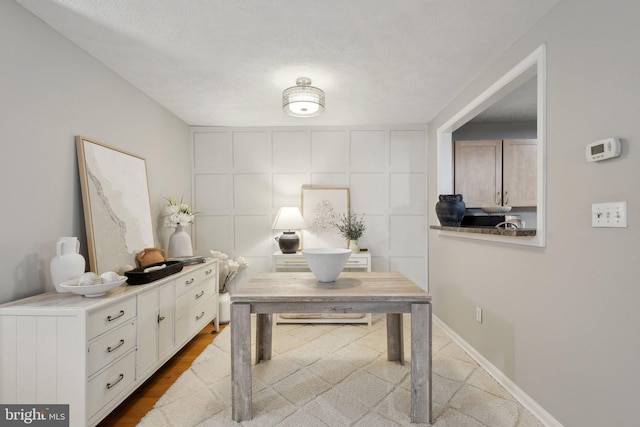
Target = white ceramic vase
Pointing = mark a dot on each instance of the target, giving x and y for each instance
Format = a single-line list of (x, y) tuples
[(68, 263), (225, 307), (354, 245), (180, 244)]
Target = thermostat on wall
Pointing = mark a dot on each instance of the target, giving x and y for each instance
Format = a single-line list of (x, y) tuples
[(603, 149)]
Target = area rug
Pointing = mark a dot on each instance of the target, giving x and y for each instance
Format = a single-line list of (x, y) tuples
[(337, 375)]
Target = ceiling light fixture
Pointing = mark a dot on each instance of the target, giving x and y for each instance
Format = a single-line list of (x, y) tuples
[(303, 100)]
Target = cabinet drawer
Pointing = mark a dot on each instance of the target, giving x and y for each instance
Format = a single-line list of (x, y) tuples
[(195, 318), (110, 317), (110, 346), (193, 296), (291, 262), (193, 278), (357, 262), (110, 383)]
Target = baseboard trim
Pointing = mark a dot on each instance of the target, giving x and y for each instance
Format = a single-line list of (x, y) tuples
[(525, 400)]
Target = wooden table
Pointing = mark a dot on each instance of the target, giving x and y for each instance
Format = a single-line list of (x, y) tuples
[(357, 292), (360, 261)]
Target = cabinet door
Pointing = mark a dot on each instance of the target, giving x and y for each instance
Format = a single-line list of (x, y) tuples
[(147, 354), (166, 319), (156, 320), (520, 160), (478, 172)]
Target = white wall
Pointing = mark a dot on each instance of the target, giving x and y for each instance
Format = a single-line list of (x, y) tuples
[(243, 175), (561, 321), (493, 130), (51, 92)]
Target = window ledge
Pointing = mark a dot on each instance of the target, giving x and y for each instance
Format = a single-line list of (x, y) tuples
[(492, 231)]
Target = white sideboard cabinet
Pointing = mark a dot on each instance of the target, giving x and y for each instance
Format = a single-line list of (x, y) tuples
[(92, 353), (295, 262)]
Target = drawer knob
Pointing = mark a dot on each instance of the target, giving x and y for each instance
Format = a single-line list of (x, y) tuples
[(200, 317), (190, 281), (200, 294), (110, 385), (209, 271), (112, 318), (117, 346)]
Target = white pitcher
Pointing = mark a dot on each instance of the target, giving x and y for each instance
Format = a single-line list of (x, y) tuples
[(68, 263), (67, 245)]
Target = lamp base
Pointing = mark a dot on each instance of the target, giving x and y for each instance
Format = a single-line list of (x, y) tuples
[(289, 242)]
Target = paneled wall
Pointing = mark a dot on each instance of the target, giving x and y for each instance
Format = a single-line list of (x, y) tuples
[(241, 176)]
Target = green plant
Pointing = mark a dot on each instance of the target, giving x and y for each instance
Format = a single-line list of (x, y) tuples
[(350, 225)]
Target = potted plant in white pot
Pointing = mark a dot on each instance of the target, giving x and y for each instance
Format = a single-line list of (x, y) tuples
[(351, 227)]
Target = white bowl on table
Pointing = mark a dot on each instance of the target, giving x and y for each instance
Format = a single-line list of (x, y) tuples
[(326, 263)]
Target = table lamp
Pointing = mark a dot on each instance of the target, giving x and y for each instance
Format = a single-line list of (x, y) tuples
[(288, 218)]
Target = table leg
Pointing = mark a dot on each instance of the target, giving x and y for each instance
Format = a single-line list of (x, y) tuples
[(421, 363), (263, 336), (240, 362), (395, 338)]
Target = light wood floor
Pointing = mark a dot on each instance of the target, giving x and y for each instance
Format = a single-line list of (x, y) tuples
[(141, 401)]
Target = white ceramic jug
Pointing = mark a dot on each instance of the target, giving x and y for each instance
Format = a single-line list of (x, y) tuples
[(68, 263), (67, 245)]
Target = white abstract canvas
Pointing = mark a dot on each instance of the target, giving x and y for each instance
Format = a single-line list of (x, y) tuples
[(116, 205)]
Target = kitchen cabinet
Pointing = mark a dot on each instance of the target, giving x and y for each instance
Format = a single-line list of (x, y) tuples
[(92, 353), (519, 172), (496, 172), (478, 172)]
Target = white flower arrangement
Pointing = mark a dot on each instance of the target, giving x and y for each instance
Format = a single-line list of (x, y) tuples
[(229, 268), (177, 213)]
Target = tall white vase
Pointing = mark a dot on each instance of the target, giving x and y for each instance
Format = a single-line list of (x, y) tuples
[(224, 301), (180, 244), (68, 263)]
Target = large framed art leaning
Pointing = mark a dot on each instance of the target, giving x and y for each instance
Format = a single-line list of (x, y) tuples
[(115, 196)]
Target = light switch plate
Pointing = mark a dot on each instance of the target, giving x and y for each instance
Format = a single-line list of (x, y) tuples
[(609, 214), (478, 315)]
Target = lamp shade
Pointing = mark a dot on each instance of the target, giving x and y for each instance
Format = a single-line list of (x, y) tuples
[(303, 100), (288, 218)]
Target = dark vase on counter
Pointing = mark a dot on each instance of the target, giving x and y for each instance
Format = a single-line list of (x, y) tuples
[(450, 209)]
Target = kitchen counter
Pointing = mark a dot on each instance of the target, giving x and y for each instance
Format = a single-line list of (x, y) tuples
[(517, 232)]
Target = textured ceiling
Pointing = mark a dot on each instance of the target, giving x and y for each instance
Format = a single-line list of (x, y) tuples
[(226, 63)]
